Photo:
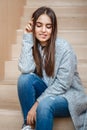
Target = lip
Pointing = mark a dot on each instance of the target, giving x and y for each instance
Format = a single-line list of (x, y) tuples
[(43, 35)]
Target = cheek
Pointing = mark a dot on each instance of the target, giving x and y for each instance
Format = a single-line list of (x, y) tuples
[(36, 32), (50, 32)]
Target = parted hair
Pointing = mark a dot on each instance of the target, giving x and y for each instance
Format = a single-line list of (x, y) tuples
[(49, 62)]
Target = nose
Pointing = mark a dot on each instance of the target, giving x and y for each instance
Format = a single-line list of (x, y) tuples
[(43, 28)]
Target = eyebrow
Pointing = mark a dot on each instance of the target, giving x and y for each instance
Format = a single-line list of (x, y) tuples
[(46, 24)]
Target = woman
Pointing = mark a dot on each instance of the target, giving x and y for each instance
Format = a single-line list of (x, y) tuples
[(49, 85)]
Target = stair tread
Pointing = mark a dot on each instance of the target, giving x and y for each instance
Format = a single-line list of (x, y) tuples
[(13, 121), (10, 120), (8, 82)]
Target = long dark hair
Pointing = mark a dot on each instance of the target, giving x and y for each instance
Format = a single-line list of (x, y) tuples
[(50, 48)]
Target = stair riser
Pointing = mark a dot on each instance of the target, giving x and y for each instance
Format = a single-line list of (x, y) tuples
[(19, 34)]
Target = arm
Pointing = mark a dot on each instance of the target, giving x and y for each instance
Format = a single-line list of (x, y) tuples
[(26, 61)]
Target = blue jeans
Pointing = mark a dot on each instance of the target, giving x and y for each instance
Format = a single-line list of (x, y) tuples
[(30, 87)]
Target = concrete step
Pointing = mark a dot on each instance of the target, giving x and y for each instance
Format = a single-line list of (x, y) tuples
[(82, 69), (61, 11), (16, 49), (10, 113), (1, 70), (80, 49), (78, 23), (19, 34), (12, 72), (75, 37), (9, 97), (63, 124), (12, 120), (56, 3)]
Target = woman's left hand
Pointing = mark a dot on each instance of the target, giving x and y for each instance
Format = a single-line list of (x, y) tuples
[(31, 117)]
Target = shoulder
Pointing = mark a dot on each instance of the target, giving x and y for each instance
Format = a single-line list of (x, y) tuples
[(60, 42), (63, 45)]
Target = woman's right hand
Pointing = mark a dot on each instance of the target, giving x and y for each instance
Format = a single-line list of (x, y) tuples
[(29, 26)]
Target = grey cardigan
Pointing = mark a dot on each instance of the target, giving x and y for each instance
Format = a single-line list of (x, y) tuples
[(66, 81)]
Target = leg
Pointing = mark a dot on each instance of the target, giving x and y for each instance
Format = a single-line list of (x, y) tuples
[(49, 108), (30, 86)]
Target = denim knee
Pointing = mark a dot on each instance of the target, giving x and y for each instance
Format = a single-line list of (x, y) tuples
[(20, 79), (44, 109), (24, 79)]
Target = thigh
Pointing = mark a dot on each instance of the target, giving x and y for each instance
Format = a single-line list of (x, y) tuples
[(39, 85), (60, 106), (31, 82), (57, 105)]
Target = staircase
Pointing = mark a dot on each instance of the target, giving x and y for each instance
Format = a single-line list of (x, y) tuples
[(72, 25)]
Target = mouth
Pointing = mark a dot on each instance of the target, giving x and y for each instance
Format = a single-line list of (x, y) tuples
[(43, 35)]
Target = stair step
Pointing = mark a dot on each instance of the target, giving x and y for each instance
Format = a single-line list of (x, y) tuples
[(12, 120), (82, 69), (9, 97), (56, 3), (61, 11), (8, 82), (81, 51), (78, 23), (19, 34), (12, 72), (1, 70), (16, 49), (63, 124), (75, 37)]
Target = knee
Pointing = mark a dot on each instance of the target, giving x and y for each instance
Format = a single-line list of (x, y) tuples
[(43, 109), (22, 80)]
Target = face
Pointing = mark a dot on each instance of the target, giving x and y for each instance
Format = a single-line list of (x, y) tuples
[(43, 29)]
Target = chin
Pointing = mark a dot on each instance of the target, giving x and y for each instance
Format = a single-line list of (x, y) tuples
[(43, 40)]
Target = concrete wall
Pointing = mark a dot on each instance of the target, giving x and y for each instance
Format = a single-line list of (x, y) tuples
[(10, 14)]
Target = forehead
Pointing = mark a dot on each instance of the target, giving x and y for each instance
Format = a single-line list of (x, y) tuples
[(44, 18)]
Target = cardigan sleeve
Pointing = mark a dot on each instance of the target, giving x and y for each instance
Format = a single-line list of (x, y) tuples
[(26, 62), (65, 75)]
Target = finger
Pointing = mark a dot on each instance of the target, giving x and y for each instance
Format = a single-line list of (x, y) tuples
[(28, 28), (35, 117), (30, 120)]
